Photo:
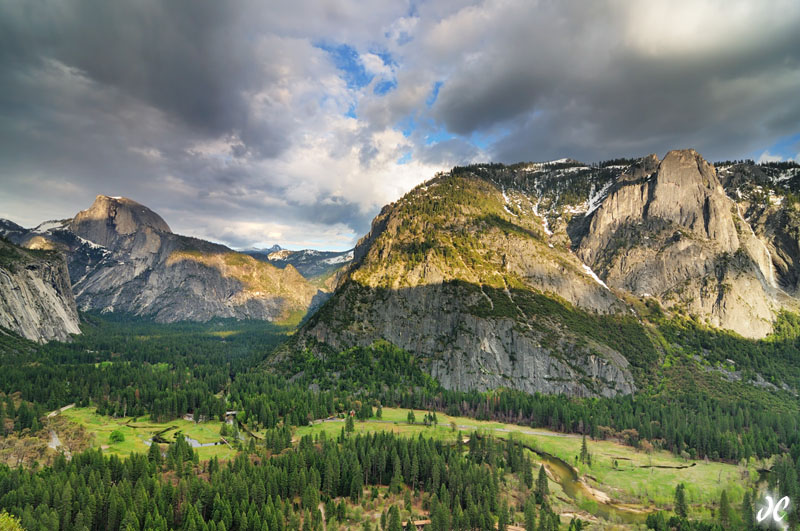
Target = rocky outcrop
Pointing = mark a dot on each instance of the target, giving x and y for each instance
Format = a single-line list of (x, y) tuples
[(123, 257), (466, 351), (668, 230), (35, 297)]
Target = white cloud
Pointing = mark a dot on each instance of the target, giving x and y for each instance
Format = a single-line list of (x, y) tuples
[(375, 65), (766, 156)]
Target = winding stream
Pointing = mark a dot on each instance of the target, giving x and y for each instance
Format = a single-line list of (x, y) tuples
[(567, 477)]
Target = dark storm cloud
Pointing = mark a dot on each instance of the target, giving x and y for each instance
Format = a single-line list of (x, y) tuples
[(187, 59), (294, 122), (589, 84)]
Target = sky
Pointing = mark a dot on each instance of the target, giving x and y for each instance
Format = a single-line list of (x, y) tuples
[(259, 122)]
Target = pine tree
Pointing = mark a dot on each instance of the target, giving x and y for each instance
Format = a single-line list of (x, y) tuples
[(154, 454), (527, 473), (724, 510), (530, 514), (584, 450), (681, 507), (542, 489), (502, 517), (747, 511), (394, 523)]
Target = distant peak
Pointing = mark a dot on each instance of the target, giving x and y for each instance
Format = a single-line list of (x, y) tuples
[(109, 216)]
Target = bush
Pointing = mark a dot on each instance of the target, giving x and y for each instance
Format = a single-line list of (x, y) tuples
[(116, 436), (9, 523)]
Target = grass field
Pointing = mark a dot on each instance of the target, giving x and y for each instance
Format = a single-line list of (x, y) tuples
[(136, 433)]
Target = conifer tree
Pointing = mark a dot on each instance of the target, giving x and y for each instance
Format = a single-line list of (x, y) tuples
[(394, 523), (584, 450), (681, 507), (530, 514), (724, 510), (542, 489)]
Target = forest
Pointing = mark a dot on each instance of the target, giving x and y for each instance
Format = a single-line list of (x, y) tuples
[(126, 367)]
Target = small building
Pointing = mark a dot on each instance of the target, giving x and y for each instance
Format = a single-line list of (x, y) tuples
[(419, 525)]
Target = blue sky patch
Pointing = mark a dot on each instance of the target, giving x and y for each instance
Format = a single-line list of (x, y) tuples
[(385, 56), (484, 140), (440, 135), (382, 87), (787, 147), (434, 93), (346, 59)]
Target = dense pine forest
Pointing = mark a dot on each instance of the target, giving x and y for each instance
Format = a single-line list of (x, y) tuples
[(135, 368)]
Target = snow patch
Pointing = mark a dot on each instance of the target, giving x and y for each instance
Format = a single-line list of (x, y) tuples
[(92, 244), (784, 176), (505, 205), (596, 199), (588, 271), (545, 223), (342, 258), (49, 225)]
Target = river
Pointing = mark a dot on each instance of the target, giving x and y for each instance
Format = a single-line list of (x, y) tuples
[(567, 477)]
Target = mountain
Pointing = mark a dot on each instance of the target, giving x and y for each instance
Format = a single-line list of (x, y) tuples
[(668, 230), (123, 257), (537, 276), (35, 297), (320, 267)]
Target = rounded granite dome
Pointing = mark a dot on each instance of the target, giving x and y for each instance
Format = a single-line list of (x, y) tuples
[(111, 217)]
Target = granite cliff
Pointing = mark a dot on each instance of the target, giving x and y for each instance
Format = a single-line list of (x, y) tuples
[(35, 297)]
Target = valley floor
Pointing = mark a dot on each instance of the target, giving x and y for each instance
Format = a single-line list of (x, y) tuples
[(620, 487)]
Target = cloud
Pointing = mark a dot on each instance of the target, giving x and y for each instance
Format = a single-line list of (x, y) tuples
[(766, 156), (296, 123)]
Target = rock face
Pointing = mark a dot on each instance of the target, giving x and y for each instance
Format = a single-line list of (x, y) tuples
[(527, 276), (464, 274), (668, 230), (35, 297), (123, 257)]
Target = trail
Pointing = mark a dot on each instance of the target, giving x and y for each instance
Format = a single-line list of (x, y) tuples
[(60, 410), (55, 442)]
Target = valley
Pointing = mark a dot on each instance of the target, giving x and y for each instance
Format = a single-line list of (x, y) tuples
[(540, 346), (621, 486)]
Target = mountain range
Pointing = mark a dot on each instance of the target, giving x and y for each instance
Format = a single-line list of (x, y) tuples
[(544, 277), (122, 257)]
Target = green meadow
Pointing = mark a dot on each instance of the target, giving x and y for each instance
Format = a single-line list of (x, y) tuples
[(138, 430)]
